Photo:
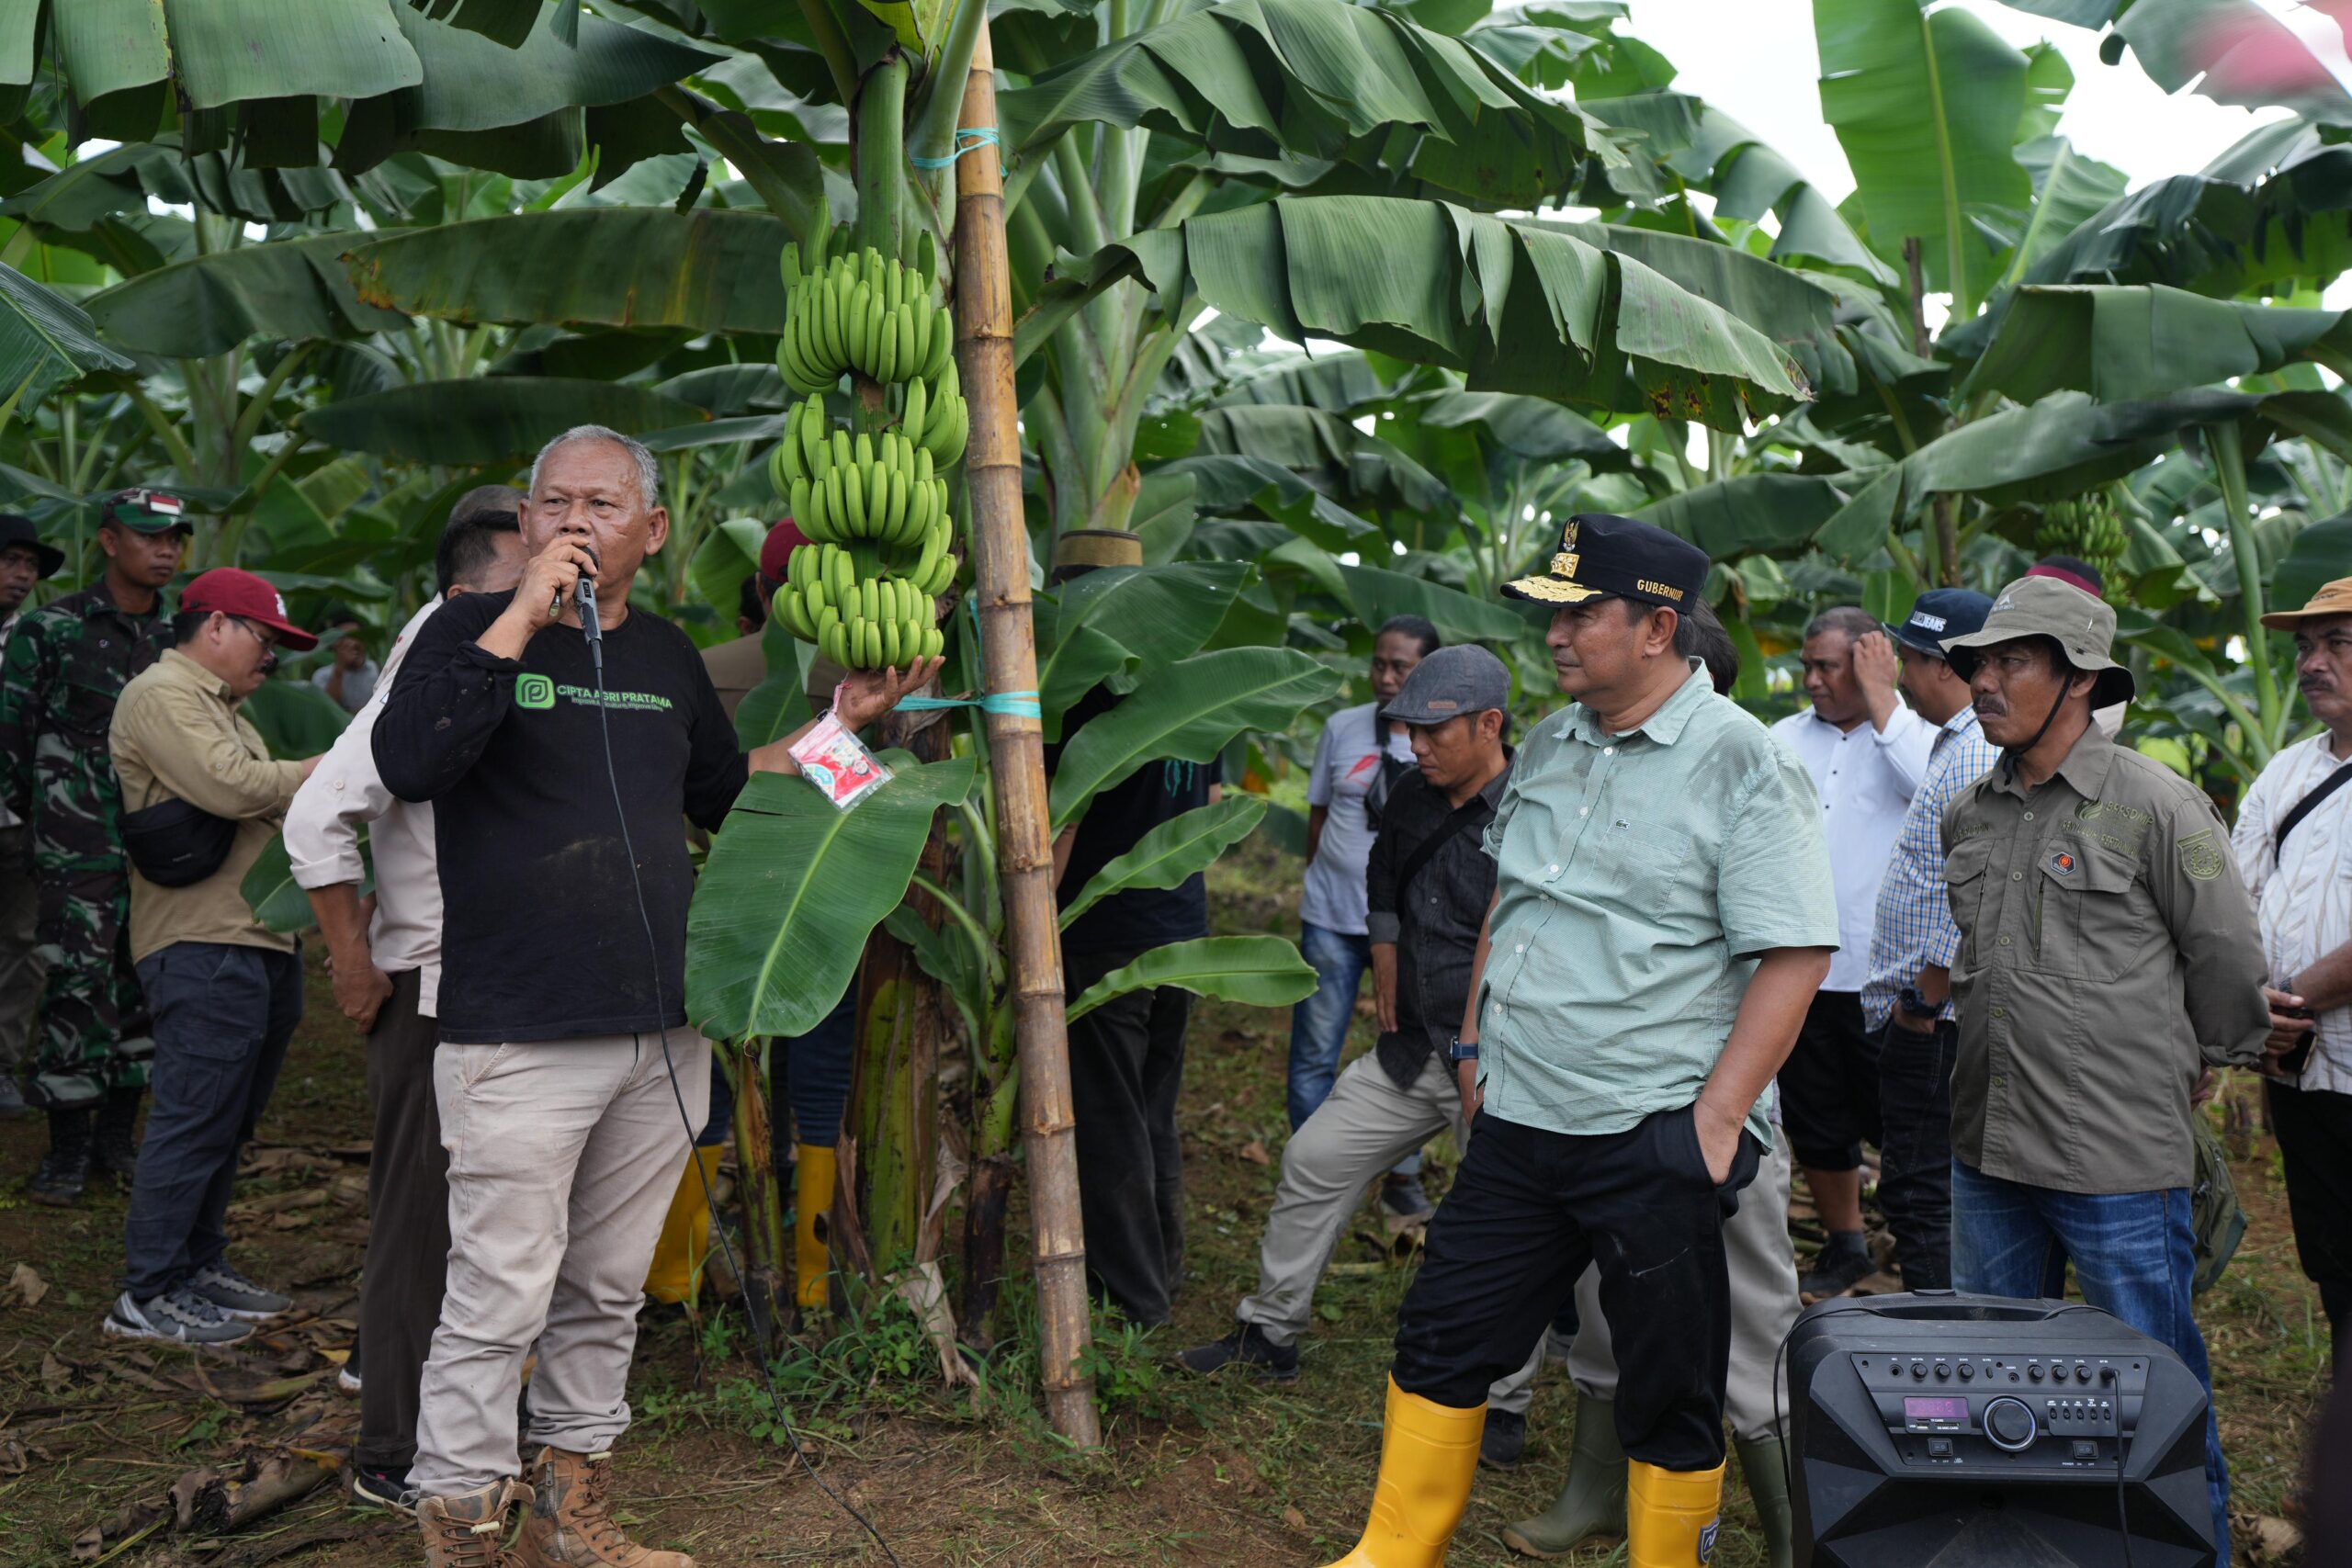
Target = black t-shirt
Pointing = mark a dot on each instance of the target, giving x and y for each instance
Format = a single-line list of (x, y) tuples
[(542, 938), (1116, 821)]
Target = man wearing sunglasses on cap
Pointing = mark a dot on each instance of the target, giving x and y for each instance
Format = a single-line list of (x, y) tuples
[(202, 798)]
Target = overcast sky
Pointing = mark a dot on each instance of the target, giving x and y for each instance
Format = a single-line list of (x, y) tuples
[(1755, 59)]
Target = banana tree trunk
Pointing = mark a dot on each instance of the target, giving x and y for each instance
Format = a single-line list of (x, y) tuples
[(894, 1094), (1000, 545), (767, 1285)]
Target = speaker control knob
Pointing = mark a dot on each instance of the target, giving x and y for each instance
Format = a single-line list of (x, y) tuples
[(2034, 1371), (2009, 1425)]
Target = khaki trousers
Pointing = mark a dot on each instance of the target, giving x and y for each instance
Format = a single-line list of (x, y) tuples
[(564, 1155), (1763, 1270), (1365, 1126)]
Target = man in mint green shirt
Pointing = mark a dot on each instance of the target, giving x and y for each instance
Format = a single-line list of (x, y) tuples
[(1662, 918)]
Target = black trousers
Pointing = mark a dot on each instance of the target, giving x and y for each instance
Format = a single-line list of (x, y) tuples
[(1528, 1210), (2314, 1132), (1126, 1063), (408, 1229), (1829, 1100), (1914, 1150)]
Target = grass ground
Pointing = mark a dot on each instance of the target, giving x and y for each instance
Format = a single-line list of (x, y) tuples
[(1191, 1472)]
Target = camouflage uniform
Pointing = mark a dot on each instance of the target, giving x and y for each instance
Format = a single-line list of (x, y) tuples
[(63, 668)]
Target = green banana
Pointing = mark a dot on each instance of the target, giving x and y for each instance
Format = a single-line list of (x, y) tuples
[(942, 341), (911, 414)]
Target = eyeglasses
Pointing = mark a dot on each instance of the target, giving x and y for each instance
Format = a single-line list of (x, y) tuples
[(267, 638)]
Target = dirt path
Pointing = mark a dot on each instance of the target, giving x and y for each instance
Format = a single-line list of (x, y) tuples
[(1193, 1474)]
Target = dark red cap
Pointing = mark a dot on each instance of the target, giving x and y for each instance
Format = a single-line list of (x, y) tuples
[(776, 553), (2071, 579), (241, 594)]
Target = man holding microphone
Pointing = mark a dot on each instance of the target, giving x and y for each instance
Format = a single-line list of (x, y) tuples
[(565, 1056)]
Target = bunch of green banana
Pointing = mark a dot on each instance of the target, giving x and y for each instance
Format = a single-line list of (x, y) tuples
[(879, 489), (935, 417), (2088, 527), (860, 622), (874, 316)]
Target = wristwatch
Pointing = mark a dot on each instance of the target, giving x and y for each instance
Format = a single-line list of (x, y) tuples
[(1917, 1006), (1459, 1050)]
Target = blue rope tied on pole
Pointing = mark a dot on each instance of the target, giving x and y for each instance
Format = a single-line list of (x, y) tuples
[(979, 137), (1021, 704)]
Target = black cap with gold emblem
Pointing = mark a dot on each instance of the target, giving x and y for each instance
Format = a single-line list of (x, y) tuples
[(1603, 555)]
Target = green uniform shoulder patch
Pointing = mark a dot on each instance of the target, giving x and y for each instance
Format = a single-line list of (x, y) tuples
[(2200, 856)]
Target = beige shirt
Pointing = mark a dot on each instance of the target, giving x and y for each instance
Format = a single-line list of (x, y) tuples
[(2302, 890), (347, 793), (178, 734)]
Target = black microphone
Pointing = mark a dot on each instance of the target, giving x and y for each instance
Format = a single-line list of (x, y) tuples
[(585, 592)]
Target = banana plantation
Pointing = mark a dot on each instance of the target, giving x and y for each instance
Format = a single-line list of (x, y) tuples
[(1341, 306)]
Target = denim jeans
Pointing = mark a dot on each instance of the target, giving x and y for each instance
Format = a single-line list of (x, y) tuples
[(1319, 1026), (223, 1015), (2133, 1256)]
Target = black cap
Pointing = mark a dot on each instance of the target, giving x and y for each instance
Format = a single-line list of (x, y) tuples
[(16, 530), (1939, 614), (1621, 557)]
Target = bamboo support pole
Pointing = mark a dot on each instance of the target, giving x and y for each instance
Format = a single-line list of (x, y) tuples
[(1016, 748)]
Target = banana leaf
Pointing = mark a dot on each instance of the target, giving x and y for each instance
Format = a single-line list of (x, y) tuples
[(210, 304), (793, 887), (1749, 513), (1329, 452), (703, 270), (2069, 190), (1173, 853), (1514, 306), (1256, 971), (779, 704), (1926, 105), (1319, 79), (1187, 711), (1379, 595), (2138, 343), (487, 421), (470, 83), (46, 340), (2236, 51), (727, 554), (296, 719), (1120, 618), (2315, 557), (225, 52)]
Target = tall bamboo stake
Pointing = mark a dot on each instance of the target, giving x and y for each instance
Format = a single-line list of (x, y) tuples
[(1016, 751)]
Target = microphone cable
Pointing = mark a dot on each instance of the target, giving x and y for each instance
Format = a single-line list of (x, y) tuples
[(654, 950)]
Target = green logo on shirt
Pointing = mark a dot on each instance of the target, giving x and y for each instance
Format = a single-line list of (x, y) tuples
[(534, 692)]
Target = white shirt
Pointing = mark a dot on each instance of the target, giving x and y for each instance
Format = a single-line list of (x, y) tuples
[(1866, 778), (323, 839), (2303, 901)]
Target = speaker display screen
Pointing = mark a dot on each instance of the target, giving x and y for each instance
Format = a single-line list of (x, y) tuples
[(1918, 1409)]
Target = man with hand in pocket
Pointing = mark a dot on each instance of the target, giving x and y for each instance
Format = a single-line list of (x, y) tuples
[(1663, 915)]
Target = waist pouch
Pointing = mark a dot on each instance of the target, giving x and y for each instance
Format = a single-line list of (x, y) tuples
[(177, 843)]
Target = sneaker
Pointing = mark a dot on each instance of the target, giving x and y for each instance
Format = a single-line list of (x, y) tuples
[(180, 1316), (1249, 1345), (346, 1377), (1504, 1439), (1836, 1272), (235, 1295), (372, 1487), (1402, 1196), (65, 1166)]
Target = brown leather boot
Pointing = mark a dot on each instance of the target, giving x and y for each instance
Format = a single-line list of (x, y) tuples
[(463, 1531), (569, 1525)]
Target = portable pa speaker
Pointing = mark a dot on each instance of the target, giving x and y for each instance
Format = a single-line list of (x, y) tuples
[(1936, 1431)]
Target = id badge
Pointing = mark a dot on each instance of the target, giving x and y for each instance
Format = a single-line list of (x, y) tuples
[(832, 758)]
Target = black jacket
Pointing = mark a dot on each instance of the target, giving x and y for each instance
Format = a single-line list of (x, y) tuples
[(1434, 920)]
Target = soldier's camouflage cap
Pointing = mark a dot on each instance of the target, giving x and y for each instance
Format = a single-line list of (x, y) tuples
[(146, 511)]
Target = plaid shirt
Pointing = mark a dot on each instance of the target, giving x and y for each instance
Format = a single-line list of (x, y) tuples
[(1914, 925)]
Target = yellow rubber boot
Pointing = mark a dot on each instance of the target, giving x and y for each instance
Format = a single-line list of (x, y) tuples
[(1427, 1454), (813, 1194), (1671, 1515), (685, 1230)]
